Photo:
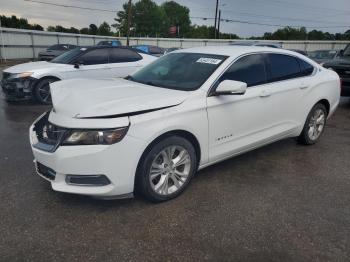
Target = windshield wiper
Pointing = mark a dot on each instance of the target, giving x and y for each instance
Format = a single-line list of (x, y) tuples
[(129, 77), (150, 83)]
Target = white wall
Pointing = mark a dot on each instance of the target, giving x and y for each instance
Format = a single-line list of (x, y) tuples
[(20, 43)]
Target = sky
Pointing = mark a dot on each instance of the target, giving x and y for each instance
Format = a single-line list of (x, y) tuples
[(332, 16)]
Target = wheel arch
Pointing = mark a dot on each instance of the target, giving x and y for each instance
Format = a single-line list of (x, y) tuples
[(178, 132), (43, 78), (324, 102)]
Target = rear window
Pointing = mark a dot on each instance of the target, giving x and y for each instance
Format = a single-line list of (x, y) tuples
[(283, 67), (121, 55), (306, 68)]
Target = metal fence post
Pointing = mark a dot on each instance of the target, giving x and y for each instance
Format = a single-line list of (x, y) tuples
[(32, 40), (58, 39), (77, 40)]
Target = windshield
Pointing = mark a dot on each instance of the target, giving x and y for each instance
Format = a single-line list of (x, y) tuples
[(180, 71), (347, 51), (67, 57), (325, 54)]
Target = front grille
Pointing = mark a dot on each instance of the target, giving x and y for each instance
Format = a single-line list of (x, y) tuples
[(49, 136), (45, 171)]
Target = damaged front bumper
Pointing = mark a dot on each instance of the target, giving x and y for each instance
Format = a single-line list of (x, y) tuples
[(18, 89)]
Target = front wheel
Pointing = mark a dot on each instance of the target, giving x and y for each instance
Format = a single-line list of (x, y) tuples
[(42, 91), (167, 169), (314, 125)]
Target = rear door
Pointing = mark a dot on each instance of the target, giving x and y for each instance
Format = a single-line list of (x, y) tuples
[(123, 62), (288, 83)]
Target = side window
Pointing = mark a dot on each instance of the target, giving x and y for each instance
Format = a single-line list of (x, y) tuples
[(249, 69), (121, 55), (283, 67), (94, 57), (306, 68)]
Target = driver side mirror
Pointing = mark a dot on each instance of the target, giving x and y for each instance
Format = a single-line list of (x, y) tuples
[(78, 64), (231, 87)]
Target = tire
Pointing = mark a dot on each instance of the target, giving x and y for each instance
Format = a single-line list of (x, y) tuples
[(42, 92), (314, 125), (158, 179)]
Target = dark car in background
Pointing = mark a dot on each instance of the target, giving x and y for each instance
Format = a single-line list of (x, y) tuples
[(258, 43), (299, 51), (321, 56), (171, 49), (54, 51), (150, 49), (341, 65), (109, 43)]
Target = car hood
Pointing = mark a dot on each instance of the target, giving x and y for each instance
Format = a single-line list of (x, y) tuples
[(115, 97), (32, 66)]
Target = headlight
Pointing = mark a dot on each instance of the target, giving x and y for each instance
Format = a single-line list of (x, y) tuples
[(95, 137), (21, 75)]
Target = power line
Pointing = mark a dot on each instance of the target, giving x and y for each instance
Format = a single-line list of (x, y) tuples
[(72, 6), (193, 17), (265, 24), (275, 17)]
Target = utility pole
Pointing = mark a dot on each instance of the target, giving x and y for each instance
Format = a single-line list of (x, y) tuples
[(219, 23), (128, 25), (216, 16), (2, 44)]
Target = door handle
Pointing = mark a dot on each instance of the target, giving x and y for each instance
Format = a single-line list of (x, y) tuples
[(303, 86), (265, 93)]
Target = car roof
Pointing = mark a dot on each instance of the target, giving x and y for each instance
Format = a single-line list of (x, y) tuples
[(234, 50)]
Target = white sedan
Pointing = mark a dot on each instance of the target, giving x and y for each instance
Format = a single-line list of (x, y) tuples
[(28, 80), (152, 131)]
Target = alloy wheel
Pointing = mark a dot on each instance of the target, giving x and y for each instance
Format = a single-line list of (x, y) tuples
[(44, 93), (316, 124), (170, 170)]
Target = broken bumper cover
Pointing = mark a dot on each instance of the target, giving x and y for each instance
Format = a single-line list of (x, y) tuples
[(18, 89)]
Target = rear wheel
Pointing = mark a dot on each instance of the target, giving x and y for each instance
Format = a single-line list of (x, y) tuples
[(42, 91), (314, 125), (167, 169)]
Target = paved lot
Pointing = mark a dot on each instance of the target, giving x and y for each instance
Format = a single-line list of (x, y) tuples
[(284, 202)]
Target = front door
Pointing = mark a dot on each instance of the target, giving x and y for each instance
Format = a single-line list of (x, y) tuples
[(240, 122), (93, 64)]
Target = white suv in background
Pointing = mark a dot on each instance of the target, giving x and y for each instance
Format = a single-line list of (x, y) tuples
[(28, 80), (189, 109)]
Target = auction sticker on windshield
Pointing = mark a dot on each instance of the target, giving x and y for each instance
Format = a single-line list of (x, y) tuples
[(207, 60)]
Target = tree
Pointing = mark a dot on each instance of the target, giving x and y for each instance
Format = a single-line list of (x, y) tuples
[(150, 19), (104, 29), (85, 31), (147, 19), (93, 29), (122, 18), (177, 15), (14, 22)]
